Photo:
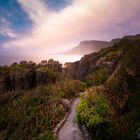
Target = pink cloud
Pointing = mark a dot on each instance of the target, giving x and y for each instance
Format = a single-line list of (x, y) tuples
[(83, 19)]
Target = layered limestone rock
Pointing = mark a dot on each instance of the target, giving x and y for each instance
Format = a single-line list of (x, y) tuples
[(26, 75)]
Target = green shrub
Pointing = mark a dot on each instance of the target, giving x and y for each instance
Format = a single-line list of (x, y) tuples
[(92, 110)]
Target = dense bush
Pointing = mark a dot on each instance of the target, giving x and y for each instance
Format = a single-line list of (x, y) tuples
[(98, 77), (66, 88), (112, 56), (28, 114), (50, 72), (132, 57), (122, 45), (93, 111)]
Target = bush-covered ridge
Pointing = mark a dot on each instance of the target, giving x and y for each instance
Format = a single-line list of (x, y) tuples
[(119, 92)]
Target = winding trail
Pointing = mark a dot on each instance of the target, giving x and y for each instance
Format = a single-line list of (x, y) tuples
[(70, 129)]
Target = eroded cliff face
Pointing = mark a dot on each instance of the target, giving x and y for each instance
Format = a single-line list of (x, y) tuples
[(79, 69), (92, 62)]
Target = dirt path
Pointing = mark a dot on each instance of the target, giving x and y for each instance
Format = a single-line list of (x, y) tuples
[(70, 130)]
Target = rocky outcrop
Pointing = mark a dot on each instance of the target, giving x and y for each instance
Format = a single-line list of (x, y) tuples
[(80, 69), (70, 69), (54, 65), (107, 57), (89, 63), (110, 65), (23, 62), (92, 62), (27, 75)]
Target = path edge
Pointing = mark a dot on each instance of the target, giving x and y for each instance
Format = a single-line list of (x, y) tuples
[(61, 123)]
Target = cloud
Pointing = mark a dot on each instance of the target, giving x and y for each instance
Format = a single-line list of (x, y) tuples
[(5, 29), (36, 9), (83, 19)]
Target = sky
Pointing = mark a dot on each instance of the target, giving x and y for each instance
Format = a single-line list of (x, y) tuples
[(41, 27)]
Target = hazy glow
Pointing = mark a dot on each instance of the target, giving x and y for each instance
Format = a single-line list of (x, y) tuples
[(66, 58), (83, 19)]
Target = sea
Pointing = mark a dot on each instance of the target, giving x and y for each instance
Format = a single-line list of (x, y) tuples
[(9, 59)]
